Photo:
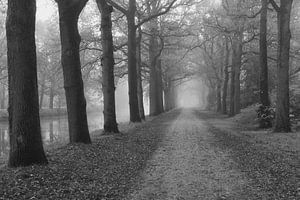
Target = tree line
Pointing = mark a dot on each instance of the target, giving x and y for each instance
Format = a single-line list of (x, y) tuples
[(158, 45)]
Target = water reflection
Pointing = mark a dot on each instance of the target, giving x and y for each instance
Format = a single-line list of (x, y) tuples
[(54, 129)]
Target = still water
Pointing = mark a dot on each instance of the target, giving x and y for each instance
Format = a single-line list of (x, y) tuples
[(54, 129)]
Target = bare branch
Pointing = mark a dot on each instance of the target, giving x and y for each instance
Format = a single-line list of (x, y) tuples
[(118, 7), (156, 15), (275, 6)]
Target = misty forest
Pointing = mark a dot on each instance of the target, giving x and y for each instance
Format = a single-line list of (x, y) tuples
[(150, 99)]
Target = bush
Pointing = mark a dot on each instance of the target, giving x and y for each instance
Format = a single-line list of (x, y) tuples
[(265, 116)]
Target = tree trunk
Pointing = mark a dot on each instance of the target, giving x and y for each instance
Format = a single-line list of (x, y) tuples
[(226, 78), (237, 67), (108, 82), (159, 85), (26, 147), (232, 82), (169, 94), (264, 122), (155, 91), (132, 72), (139, 76), (153, 72), (70, 58), (282, 120)]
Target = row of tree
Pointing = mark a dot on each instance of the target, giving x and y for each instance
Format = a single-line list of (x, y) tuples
[(24, 122), (221, 42), (239, 37)]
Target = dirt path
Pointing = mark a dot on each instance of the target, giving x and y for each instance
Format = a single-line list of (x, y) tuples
[(188, 166)]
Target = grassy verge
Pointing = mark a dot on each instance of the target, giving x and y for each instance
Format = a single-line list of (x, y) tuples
[(271, 160), (106, 169)]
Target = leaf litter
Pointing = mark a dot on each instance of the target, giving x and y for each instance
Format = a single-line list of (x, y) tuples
[(106, 169)]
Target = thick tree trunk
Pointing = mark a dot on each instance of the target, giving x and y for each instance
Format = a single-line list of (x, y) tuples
[(139, 76), (155, 83), (282, 120), (132, 72), (153, 103), (232, 82), (264, 122), (26, 146), (73, 84), (169, 94), (108, 82), (159, 89), (237, 67), (226, 78)]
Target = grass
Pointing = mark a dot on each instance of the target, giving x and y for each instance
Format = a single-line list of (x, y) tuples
[(271, 160)]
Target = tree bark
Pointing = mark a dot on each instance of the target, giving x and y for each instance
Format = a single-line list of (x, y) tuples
[(159, 85), (70, 40), (132, 72), (226, 78), (139, 76), (155, 83), (264, 122), (237, 68), (232, 82), (282, 120), (169, 94), (26, 147), (153, 109), (108, 82)]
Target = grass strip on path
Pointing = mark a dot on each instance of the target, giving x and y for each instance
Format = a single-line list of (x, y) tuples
[(276, 172)]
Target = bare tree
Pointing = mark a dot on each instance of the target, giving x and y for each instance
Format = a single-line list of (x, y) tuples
[(108, 83)]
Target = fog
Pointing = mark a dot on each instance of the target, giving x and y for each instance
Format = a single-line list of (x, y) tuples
[(122, 100), (192, 93)]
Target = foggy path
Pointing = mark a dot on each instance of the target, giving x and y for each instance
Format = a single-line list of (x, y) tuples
[(188, 166)]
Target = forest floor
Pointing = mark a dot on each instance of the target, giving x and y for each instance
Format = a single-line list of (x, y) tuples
[(182, 154)]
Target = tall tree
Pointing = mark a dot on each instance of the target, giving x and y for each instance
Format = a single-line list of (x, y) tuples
[(226, 77), (232, 81), (130, 13), (70, 40), (26, 146), (264, 112), (155, 102), (237, 65), (282, 119), (139, 74), (108, 83)]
